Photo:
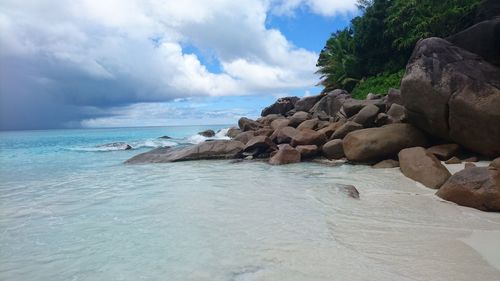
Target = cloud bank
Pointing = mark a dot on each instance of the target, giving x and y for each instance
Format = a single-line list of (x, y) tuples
[(66, 63)]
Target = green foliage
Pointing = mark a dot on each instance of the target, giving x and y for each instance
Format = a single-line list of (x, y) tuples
[(379, 84), (382, 39)]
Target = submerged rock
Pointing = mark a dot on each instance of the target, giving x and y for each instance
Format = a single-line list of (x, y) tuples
[(349, 190), (207, 133), (422, 166), (217, 149), (476, 187)]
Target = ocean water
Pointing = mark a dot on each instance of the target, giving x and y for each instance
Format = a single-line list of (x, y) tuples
[(71, 210)]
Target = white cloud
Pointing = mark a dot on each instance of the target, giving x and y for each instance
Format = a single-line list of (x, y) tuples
[(325, 8), (136, 49)]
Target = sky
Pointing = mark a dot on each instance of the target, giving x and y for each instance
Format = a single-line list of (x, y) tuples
[(124, 63)]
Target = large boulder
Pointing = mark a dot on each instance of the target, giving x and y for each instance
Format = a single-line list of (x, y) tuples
[(422, 166), (366, 116), (307, 136), (345, 129), (285, 155), (454, 95), (298, 117), (482, 39), (331, 103), (218, 149), (333, 149), (283, 135), (375, 144), (281, 106), (476, 187), (266, 120), (247, 124), (264, 132), (306, 103)]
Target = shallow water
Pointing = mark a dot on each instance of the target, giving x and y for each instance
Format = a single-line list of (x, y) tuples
[(72, 215)]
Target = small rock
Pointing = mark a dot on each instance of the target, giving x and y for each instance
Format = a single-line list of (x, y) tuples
[(366, 116), (349, 190), (298, 118), (309, 124), (307, 136), (444, 151), (453, 160), (471, 159), (386, 164), (333, 149), (280, 123), (207, 133), (469, 165), (233, 132), (307, 151), (418, 164), (345, 129), (165, 137), (397, 113)]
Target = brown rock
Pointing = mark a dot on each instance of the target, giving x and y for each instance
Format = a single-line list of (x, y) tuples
[(393, 96), (280, 123), (246, 124), (330, 104), (397, 113), (386, 164), (476, 187), (207, 133), (345, 129), (471, 159), (233, 132), (309, 124), (352, 106), (285, 155), (217, 149), (495, 163), (306, 103), (307, 136), (281, 106), (264, 132), (266, 120), (453, 94), (283, 135), (366, 116), (332, 127), (375, 144), (453, 160), (418, 164), (333, 149), (307, 151), (258, 145), (469, 165), (298, 117), (245, 136), (444, 151)]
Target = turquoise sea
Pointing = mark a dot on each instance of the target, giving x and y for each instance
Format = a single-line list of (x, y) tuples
[(71, 210)]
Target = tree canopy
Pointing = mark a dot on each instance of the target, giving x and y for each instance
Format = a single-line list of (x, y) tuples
[(380, 41)]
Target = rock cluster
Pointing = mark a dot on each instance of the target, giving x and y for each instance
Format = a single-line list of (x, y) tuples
[(448, 109)]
